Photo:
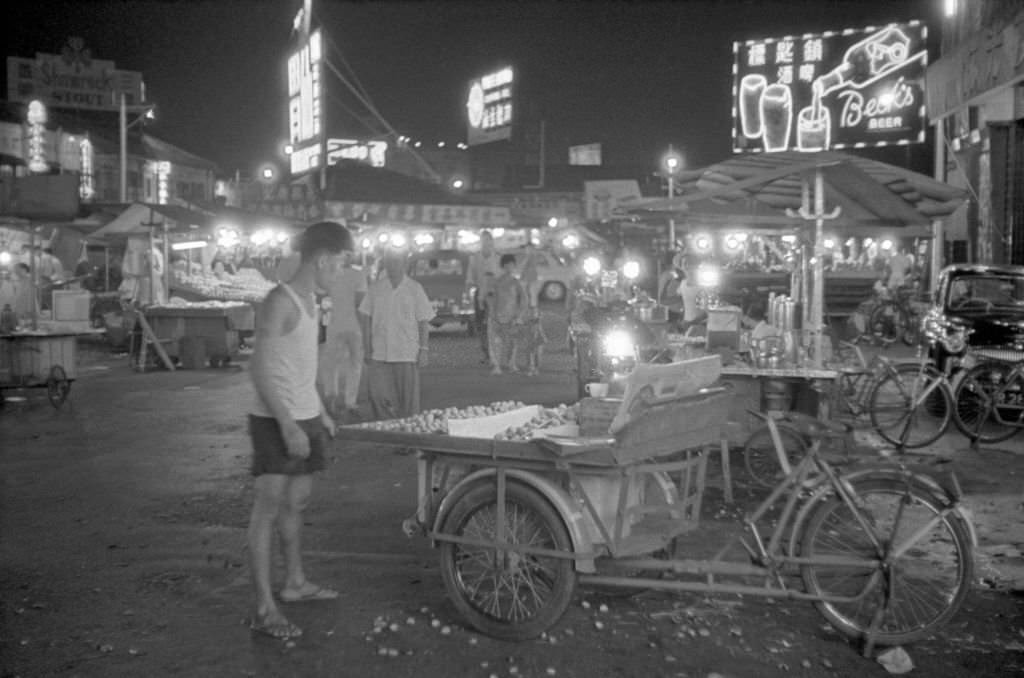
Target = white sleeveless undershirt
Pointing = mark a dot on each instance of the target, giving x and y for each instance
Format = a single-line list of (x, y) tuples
[(290, 362)]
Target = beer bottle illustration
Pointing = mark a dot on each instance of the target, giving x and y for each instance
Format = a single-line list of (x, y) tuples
[(866, 61)]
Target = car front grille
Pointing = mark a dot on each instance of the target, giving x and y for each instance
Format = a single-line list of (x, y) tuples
[(1003, 355)]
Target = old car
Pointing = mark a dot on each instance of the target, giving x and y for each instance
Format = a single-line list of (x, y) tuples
[(442, 273), (980, 308)]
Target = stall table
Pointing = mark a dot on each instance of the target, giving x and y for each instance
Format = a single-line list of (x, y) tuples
[(199, 334), (774, 389)]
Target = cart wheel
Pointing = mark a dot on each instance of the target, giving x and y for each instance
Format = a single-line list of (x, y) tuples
[(916, 567), (57, 386), (761, 459), (506, 594)]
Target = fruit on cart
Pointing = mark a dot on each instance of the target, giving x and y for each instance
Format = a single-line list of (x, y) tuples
[(247, 285), (436, 420), (549, 417)]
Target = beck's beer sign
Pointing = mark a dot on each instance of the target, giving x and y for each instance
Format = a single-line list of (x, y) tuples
[(839, 89)]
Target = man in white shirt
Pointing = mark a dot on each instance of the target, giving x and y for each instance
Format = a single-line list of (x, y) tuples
[(395, 315), (484, 269)]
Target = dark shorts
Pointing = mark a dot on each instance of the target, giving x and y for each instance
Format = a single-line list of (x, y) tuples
[(270, 454)]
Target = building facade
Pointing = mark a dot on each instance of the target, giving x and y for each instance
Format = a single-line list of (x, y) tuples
[(975, 100)]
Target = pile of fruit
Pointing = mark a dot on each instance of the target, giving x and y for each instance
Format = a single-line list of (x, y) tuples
[(247, 285), (549, 417), (436, 421)]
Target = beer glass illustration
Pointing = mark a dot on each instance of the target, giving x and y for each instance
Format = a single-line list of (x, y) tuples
[(813, 127), (751, 88), (776, 116)]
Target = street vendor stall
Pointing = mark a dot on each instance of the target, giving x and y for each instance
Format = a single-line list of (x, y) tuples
[(522, 506), (192, 334)]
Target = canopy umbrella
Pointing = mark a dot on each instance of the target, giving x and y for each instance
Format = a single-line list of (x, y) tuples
[(858, 192)]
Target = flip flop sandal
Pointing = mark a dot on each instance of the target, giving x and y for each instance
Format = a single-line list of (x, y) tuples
[(318, 593), (282, 631)]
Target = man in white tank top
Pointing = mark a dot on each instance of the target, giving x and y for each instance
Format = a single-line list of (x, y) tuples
[(289, 425)]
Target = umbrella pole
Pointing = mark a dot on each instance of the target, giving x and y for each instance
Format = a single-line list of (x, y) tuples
[(817, 319)]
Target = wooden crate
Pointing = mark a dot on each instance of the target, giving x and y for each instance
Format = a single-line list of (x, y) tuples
[(596, 415), (672, 426)]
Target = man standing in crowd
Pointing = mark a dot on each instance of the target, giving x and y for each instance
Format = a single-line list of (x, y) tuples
[(341, 362), (396, 315), (508, 310), (289, 425), (484, 269)]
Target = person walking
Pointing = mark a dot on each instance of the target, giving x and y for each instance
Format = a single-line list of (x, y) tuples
[(395, 316), (508, 310), (529, 274), (341, 362), (289, 426), (484, 268)]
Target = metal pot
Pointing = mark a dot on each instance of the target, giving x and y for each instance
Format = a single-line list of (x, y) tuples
[(768, 352)]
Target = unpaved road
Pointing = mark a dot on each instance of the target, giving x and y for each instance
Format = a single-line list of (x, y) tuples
[(123, 554)]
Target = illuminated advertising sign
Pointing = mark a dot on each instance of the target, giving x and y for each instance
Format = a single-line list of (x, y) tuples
[(72, 79), (839, 89), (372, 153), (305, 106), (489, 109)]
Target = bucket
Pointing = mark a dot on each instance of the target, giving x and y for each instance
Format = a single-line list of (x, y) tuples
[(776, 396)]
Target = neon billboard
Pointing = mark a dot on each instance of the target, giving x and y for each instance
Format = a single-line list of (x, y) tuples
[(489, 107), (854, 88), (305, 106)]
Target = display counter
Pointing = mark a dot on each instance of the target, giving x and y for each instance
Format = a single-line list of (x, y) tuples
[(201, 333)]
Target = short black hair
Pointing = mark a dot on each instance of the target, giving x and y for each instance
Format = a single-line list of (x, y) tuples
[(507, 259), (325, 236)]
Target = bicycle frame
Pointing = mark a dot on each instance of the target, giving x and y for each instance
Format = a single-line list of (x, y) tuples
[(770, 560)]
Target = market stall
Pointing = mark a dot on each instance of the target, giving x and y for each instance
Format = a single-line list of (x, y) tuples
[(191, 334)]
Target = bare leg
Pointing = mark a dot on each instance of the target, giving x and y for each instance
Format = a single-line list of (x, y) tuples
[(289, 524), (270, 495)]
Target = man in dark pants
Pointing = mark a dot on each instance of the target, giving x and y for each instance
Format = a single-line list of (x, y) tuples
[(484, 269)]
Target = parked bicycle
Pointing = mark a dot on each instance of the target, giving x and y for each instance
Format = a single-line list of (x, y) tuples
[(880, 393), (990, 401), (897, 315)]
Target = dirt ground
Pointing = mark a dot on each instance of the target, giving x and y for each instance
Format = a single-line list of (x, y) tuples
[(122, 553)]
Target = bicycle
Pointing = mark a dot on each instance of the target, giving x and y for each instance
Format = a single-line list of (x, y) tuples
[(990, 401), (912, 405), (897, 316), (886, 512), (850, 405)]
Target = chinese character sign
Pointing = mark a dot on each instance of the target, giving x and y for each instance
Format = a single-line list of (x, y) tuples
[(489, 107), (305, 132), (838, 89)]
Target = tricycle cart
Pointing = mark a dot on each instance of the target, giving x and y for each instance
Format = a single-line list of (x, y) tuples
[(884, 553), (39, 360)]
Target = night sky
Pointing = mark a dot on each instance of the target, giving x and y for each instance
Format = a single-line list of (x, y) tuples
[(634, 76)]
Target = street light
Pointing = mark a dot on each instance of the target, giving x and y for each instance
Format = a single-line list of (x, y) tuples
[(147, 111), (672, 164)]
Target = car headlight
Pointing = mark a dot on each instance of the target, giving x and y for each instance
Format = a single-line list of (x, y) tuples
[(955, 340), (619, 344)]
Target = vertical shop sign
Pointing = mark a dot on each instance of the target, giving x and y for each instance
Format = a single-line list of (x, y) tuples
[(489, 107), (839, 89), (305, 106)]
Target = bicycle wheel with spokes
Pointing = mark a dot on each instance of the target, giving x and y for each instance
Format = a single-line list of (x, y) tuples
[(887, 323), (977, 397), (911, 407), (507, 594), (915, 566), (760, 458)]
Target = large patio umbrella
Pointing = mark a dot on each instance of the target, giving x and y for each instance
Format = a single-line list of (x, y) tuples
[(844, 189)]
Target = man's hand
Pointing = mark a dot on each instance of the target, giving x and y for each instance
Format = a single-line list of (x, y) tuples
[(329, 423), (296, 440)]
